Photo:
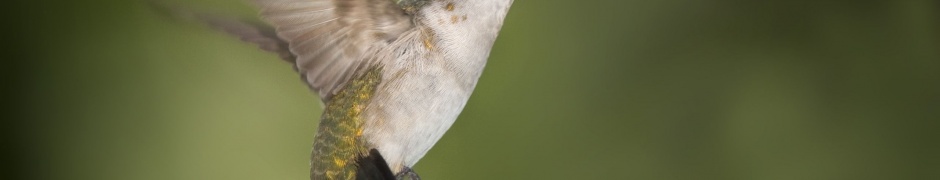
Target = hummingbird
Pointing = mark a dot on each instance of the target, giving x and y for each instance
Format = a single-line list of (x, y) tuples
[(393, 75)]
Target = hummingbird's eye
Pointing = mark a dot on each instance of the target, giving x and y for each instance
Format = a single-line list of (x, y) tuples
[(410, 6)]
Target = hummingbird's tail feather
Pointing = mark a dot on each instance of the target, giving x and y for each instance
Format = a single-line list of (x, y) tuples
[(373, 167), (254, 32)]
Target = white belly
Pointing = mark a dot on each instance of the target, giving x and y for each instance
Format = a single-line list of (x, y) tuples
[(413, 107), (427, 81)]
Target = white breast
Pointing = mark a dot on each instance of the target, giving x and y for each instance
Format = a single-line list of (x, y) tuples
[(428, 76)]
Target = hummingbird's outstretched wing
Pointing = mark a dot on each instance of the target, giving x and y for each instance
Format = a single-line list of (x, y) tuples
[(330, 37), (260, 34)]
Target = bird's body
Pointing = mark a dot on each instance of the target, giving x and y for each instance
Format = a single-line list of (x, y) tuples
[(393, 74)]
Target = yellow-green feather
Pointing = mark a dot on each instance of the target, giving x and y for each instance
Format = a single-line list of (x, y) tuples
[(338, 141), (411, 6)]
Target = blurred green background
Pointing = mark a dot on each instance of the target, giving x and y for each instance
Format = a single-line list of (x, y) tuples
[(611, 89)]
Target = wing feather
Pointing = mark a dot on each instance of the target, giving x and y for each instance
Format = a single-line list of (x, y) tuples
[(331, 38)]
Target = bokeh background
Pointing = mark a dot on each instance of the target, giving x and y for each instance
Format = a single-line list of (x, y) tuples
[(604, 89)]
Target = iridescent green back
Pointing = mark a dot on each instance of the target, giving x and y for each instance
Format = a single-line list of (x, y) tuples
[(338, 142)]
